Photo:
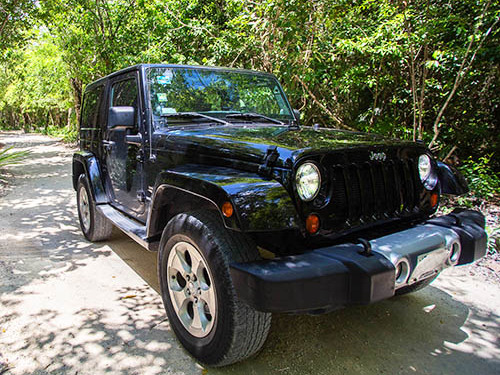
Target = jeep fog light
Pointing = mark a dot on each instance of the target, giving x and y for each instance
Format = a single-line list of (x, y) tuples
[(426, 173), (308, 181), (402, 272)]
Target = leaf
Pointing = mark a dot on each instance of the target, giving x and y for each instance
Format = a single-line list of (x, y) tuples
[(129, 296)]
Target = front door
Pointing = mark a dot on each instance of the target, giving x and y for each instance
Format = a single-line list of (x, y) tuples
[(124, 158)]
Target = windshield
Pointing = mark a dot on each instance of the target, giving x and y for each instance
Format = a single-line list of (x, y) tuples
[(215, 93)]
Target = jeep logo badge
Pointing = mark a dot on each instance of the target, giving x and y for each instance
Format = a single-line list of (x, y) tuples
[(379, 156)]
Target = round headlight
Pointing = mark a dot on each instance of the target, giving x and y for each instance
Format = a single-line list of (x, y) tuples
[(424, 167), (427, 175), (308, 181)]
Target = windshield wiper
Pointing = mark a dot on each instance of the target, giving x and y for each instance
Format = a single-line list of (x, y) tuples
[(194, 115), (253, 116)]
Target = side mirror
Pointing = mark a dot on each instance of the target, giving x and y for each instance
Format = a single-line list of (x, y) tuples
[(121, 117), (296, 114)]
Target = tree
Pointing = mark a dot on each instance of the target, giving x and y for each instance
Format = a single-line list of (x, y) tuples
[(15, 18), (424, 69)]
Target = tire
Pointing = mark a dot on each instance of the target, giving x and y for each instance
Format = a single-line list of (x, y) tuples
[(94, 225), (227, 330), (414, 287)]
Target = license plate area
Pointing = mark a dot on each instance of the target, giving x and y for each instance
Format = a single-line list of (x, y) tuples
[(428, 264)]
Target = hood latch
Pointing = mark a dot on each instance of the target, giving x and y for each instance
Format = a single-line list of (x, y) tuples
[(272, 155)]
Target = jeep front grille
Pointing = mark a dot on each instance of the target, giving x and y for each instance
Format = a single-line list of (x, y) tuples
[(370, 191)]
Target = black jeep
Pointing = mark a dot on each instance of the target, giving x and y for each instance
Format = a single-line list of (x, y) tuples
[(250, 212)]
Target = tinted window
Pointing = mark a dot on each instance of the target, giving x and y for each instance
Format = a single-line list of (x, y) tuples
[(90, 110), (124, 93)]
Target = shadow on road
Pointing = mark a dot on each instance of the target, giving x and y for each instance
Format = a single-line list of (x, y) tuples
[(41, 248), (408, 334)]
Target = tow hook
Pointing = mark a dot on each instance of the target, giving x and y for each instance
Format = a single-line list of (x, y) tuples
[(367, 247)]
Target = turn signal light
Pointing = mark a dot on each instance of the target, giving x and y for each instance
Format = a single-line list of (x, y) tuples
[(227, 209), (434, 199), (312, 223)]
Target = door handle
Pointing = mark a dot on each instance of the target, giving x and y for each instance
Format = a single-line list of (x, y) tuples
[(108, 145)]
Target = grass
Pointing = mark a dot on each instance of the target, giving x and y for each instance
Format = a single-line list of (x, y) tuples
[(9, 157)]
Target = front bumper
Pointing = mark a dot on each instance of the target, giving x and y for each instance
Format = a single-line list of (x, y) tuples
[(332, 277)]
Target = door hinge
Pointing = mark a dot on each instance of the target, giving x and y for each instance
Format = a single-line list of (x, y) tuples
[(140, 156), (141, 197)]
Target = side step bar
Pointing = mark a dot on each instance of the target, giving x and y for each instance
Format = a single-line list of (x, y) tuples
[(132, 228)]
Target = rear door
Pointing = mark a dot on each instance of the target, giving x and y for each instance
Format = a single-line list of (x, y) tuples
[(91, 119), (124, 158)]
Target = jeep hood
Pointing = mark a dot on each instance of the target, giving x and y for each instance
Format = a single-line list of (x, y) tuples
[(250, 143)]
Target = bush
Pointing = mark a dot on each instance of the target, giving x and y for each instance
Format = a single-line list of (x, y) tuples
[(484, 183), (67, 135)]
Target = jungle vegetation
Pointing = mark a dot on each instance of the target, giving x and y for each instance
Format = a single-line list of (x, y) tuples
[(413, 69)]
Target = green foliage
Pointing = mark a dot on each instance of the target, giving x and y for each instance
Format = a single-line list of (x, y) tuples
[(16, 16), (493, 238), (9, 157), (483, 182), (380, 66), (35, 90), (67, 135)]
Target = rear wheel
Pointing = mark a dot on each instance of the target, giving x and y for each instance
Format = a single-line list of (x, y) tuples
[(94, 225), (198, 293)]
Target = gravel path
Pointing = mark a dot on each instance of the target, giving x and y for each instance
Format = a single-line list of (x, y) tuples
[(71, 307)]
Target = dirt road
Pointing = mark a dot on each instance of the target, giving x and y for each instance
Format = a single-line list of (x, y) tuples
[(68, 306)]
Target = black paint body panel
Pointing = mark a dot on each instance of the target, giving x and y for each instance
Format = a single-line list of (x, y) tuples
[(317, 281), (252, 165), (470, 227), (452, 181)]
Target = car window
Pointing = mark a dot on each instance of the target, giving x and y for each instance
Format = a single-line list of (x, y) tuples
[(90, 110), (124, 93), (214, 92)]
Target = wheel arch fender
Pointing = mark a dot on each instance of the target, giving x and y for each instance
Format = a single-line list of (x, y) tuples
[(259, 204), (85, 162), (451, 180)]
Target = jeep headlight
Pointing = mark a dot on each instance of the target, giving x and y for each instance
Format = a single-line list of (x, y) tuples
[(308, 181), (425, 171)]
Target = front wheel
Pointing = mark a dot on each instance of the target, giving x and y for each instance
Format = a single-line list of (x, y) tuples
[(198, 293)]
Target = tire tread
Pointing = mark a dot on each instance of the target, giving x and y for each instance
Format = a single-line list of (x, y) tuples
[(100, 226), (251, 327)]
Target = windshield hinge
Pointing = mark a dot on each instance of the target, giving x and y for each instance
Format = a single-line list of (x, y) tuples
[(271, 156), (294, 125)]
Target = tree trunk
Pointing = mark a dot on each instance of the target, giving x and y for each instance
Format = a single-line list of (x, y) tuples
[(76, 84), (68, 124), (464, 67), (14, 122), (27, 123), (422, 93), (51, 120)]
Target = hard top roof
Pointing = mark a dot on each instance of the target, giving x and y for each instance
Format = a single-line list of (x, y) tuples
[(141, 67)]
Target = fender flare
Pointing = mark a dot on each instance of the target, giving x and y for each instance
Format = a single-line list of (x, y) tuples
[(451, 180), (86, 162), (260, 204)]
